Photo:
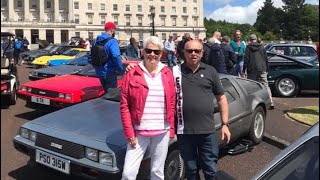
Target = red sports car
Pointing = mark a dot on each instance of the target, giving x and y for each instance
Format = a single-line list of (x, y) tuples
[(62, 91)]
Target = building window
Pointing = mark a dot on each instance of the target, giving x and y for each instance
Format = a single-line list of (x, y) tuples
[(139, 8), (196, 35), (34, 16), (4, 16), (164, 36), (195, 1), (103, 19), (63, 17), (174, 21), (163, 21), (115, 7), (19, 16), (184, 10), (4, 3), (89, 6), (127, 7), (117, 35), (140, 36), (48, 4), (139, 21), (184, 1), (77, 34), (19, 3), (195, 10), (162, 9), (76, 5), (185, 21), (115, 20), (90, 35), (48, 17), (195, 22), (128, 20), (90, 18), (173, 0), (174, 10), (33, 4), (76, 18), (103, 7), (62, 5)]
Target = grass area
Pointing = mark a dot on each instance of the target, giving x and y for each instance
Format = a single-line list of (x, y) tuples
[(308, 115)]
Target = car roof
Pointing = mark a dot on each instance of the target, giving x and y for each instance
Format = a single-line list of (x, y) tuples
[(291, 44), (5, 34)]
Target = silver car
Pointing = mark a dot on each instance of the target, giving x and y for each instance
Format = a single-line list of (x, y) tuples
[(297, 50)]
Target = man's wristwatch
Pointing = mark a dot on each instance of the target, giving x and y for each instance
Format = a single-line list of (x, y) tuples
[(225, 124)]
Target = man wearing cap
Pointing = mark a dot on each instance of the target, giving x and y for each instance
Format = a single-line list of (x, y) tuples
[(256, 64), (108, 73)]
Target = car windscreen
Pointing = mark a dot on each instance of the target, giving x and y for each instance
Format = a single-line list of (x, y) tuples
[(70, 52), (54, 48), (113, 94), (48, 48), (82, 61), (87, 71)]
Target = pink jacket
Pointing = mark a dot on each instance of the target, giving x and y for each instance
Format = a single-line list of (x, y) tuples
[(133, 98)]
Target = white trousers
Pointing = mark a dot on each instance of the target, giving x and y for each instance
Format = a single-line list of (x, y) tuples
[(158, 146)]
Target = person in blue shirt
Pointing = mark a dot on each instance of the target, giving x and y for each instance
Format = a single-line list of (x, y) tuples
[(108, 73)]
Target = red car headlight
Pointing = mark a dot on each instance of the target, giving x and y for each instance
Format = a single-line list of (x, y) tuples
[(68, 96), (24, 88), (65, 96)]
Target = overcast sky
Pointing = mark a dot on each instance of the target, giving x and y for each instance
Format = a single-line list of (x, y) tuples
[(238, 11)]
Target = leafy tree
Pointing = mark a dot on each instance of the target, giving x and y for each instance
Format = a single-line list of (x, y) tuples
[(267, 18), (269, 36)]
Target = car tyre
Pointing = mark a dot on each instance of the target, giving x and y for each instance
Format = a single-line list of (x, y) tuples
[(13, 96), (257, 126), (174, 166), (287, 86)]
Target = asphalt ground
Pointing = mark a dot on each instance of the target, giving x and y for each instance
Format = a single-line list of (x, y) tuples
[(14, 165)]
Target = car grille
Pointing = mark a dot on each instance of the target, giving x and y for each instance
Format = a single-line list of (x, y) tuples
[(46, 75), (45, 93), (68, 148)]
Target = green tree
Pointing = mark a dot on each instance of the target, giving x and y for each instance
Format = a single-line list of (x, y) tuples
[(268, 18), (269, 36)]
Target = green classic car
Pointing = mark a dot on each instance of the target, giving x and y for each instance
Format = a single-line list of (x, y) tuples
[(289, 76)]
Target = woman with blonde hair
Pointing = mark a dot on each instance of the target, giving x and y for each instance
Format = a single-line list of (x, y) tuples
[(147, 111)]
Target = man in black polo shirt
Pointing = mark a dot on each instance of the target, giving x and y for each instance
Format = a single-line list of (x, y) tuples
[(195, 125)]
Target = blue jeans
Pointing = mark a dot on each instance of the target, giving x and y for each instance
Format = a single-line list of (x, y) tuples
[(237, 68), (202, 150), (171, 58), (108, 82)]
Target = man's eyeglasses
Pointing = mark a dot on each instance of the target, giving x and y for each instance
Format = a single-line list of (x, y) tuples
[(149, 51), (198, 51)]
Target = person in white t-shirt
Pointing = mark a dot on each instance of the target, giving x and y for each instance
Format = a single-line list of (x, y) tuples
[(87, 44)]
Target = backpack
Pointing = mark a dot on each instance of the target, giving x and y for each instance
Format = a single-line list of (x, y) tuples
[(18, 45), (98, 55)]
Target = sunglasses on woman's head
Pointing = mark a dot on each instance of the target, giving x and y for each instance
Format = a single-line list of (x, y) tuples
[(149, 51), (198, 51)]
